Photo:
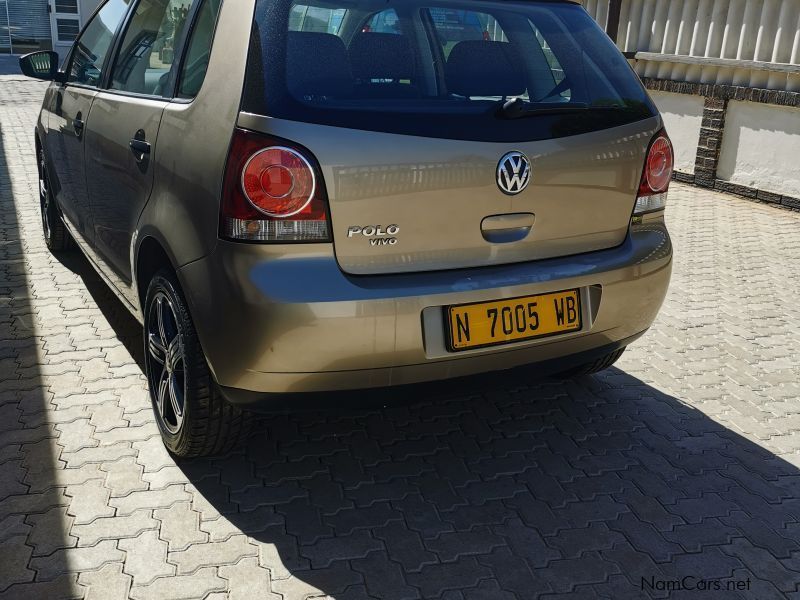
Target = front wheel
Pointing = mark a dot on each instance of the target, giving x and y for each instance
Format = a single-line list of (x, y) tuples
[(601, 364), (193, 417)]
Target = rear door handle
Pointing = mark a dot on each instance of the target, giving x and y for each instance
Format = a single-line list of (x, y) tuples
[(77, 126), (140, 148)]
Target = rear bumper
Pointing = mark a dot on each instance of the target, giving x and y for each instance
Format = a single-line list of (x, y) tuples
[(287, 319)]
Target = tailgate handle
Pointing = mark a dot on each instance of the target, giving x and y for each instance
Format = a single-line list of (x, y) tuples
[(505, 229)]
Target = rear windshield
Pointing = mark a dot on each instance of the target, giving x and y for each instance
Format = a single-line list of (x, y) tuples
[(440, 68)]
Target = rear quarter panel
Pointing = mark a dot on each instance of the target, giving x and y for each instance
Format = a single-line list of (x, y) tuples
[(192, 148)]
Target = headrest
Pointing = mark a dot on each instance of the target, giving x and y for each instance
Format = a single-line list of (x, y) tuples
[(317, 65), (481, 68), (382, 56)]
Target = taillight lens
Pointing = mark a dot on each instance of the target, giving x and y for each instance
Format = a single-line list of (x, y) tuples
[(273, 192), (658, 168)]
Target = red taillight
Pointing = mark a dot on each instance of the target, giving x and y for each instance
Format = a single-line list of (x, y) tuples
[(657, 174), (660, 163), (272, 192), (278, 181)]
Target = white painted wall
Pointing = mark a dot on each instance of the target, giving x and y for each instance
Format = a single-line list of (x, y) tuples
[(761, 147), (683, 116)]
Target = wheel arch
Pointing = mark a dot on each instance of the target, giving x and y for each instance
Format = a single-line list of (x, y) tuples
[(150, 256)]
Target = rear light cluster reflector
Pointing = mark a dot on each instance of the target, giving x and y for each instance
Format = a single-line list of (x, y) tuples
[(656, 177), (260, 230), (648, 204), (272, 192)]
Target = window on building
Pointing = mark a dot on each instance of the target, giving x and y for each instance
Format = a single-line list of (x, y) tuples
[(67, 24), (67, 30)]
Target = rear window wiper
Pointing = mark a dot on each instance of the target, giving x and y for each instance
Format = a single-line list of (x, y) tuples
[(517, 108)]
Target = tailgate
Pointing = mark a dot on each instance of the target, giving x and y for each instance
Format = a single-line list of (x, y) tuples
[(404, 203)]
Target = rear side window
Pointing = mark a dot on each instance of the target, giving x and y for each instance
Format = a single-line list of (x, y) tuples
[(442, 69), (147, 52), (195, 64), (90, 52)]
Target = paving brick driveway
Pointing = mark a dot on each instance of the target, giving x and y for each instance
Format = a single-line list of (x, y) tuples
[(681, 463)]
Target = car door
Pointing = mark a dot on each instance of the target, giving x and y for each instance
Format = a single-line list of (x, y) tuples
[(69, 107), (123, 130)]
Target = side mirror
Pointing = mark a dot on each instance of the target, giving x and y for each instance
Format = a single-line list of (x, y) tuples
[(41, 65)]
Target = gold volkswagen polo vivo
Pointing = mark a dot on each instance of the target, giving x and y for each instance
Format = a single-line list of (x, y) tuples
[(318, 195)]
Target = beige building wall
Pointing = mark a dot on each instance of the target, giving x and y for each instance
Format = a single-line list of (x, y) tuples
[(761, 147)]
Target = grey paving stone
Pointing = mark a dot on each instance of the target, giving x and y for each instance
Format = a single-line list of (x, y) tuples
[(695, 536), (146, 557), (51, 530), (763, 564), (182, 587), (526, 543), (76, 560), (114, 528), (247, 580), (385, 577), (65, 586), (489, 590), (405, 547), (513, 574), (591, 568), (571, 543), (348, 520), (14, 566), (327, 550), (212, 554), (434, 580), (332, 581), (108, 583)]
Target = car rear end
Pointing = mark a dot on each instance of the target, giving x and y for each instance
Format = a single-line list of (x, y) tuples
[(420, 190)]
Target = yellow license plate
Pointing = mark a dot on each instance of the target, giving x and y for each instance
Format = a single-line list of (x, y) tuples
[(504, 321)]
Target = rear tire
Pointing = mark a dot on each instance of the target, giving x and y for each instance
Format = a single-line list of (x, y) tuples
[(193, 417), (601, 364), (55, 232)]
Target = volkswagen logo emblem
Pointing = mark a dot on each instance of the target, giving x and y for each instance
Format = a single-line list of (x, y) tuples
[(513, 173)]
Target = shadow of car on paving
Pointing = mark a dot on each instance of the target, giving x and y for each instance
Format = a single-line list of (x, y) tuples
[(34, 513), (600, 487)]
